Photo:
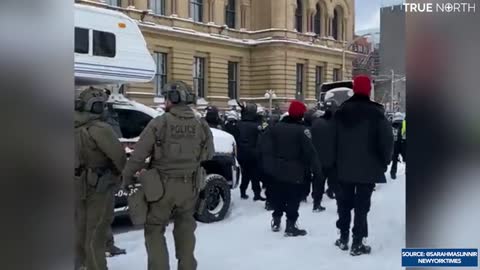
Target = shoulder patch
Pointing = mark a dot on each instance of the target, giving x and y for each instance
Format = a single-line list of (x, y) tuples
[(307, 133)]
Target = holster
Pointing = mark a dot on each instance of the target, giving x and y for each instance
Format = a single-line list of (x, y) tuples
[(153, 184)]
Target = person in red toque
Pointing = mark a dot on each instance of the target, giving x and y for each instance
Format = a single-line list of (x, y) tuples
[(287, 152), (364, 145)]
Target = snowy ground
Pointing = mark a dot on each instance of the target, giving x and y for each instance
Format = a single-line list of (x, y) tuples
[(244, 241)]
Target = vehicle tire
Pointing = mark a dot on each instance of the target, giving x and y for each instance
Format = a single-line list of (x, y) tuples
[(214, 199)]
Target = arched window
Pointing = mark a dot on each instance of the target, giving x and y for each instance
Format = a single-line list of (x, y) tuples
[(299, 16), (337, 23), (317, 24), (230, 13)]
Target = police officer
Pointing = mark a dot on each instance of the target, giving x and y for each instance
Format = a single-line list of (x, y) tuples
[(323, 137), (99, 160), (176, 142), (398, 143), (248, 132), (111, 117)]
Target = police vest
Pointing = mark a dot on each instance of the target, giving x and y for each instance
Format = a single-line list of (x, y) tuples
[(179, 145)]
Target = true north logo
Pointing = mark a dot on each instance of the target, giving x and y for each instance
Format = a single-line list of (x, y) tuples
[(440, 7)]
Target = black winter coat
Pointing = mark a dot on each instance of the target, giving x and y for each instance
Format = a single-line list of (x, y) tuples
[(323, 138), (231, 126), (248, 132), (364, 141), (287, 152)]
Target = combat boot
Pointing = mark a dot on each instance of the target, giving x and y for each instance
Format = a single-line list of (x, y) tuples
[(114, 251), (243, 195), (292, 230), (359, 247), (317, 207), (393, 176), (268, 206), (342, 242), (276, 223), (330, 193), (258, 197)]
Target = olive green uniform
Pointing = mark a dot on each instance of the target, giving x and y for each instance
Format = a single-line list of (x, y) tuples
[(99, 159), (177, 142)]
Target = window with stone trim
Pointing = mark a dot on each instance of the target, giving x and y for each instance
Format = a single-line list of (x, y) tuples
[(233, 80), (317, 24), (337, 74), (300, 80), (196, 10), (199, 76), (161, 75), (157, 6), (318, 80), (115, 3), (299, 16), (230, 13)]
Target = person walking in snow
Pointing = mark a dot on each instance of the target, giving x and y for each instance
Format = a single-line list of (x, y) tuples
[(398, 144), (323, 138), (286, 154), (248, 132), (364, 144)]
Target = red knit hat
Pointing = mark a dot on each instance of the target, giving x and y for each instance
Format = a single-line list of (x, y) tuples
[(362, 85), (297, 109)]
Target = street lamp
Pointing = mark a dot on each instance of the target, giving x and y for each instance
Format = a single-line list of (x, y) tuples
[(347, 45), (270, 94)]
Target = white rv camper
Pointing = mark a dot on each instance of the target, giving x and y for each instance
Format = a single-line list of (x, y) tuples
[(109, 48)]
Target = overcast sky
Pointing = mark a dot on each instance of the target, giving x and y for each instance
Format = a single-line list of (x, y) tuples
[(367, 14)]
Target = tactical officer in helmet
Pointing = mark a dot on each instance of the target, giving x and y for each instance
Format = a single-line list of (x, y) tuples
[(99, 160), (176, 142)]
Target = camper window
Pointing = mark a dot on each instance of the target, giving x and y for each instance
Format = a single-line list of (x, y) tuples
[(104, 44), (81, 40)]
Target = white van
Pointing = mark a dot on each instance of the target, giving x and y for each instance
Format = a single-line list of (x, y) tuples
[(111, 50)]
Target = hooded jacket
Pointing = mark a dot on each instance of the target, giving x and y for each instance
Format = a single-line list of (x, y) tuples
[(364, 141)]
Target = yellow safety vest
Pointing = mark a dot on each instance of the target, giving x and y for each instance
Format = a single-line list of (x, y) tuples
[(404, 129)]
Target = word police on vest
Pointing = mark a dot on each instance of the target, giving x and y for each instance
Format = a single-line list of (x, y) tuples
[(183, 130)]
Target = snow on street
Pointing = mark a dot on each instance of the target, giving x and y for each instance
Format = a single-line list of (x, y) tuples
[(244, 241)]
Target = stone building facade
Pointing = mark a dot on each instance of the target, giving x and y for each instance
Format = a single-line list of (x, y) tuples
[(239, 49)]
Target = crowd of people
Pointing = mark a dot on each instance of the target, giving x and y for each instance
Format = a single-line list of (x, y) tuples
[(349, 146), (289, 155)]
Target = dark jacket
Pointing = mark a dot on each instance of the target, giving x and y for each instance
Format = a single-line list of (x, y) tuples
[(287, 152), (248, 131), (323, 138), (231, 126), (364, 141)]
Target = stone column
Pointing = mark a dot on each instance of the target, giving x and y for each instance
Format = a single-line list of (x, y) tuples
[(141, 4), (183, 8), (219, 12), (290, 13), (278, 13)]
